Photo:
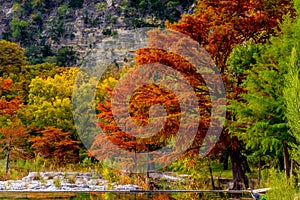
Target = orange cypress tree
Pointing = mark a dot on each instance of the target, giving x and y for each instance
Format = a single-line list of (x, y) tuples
[(13, 134), (143, 98), (136, 141), (219, 26), (13, 142), (55, 145)]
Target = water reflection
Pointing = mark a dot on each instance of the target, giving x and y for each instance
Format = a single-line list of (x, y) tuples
[(111, 196)]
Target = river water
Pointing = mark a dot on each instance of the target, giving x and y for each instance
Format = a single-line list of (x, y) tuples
[(112, 196)]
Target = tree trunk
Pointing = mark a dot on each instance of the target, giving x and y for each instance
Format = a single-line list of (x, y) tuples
[(259, 170), (147, 163), (292, 168), (135, 164), (286, 158), (211, 175), (7, 160), (224, 160), (240, 180), (281, 162)]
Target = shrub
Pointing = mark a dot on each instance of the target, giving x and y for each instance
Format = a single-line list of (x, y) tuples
[(282, 189), (57, 182)]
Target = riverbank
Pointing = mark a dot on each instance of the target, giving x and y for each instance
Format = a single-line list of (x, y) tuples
[(62, 181)]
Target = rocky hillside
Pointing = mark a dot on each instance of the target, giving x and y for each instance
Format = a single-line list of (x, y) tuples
[(63, 31)]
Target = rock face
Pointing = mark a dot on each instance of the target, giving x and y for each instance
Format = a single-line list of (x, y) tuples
[(116, 49), (45, 27), (62, 181)]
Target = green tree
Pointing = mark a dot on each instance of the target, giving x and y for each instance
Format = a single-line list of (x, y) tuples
[(291, 94), (38, 4), (11, 58), (19, 30), (65, 56), (84, 113), (261, 113), (260, 118)]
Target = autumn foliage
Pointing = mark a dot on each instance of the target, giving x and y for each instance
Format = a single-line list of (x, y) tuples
[(147, 96), (13, 139), (5, 84), (13, 134), (180, 64), (219, 26), (140, 114), (8, 108), (55, 145)]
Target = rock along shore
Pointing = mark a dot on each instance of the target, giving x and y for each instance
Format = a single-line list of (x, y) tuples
[(62, 181)]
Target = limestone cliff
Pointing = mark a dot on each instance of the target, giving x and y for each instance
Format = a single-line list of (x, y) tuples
[(63, 31)]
